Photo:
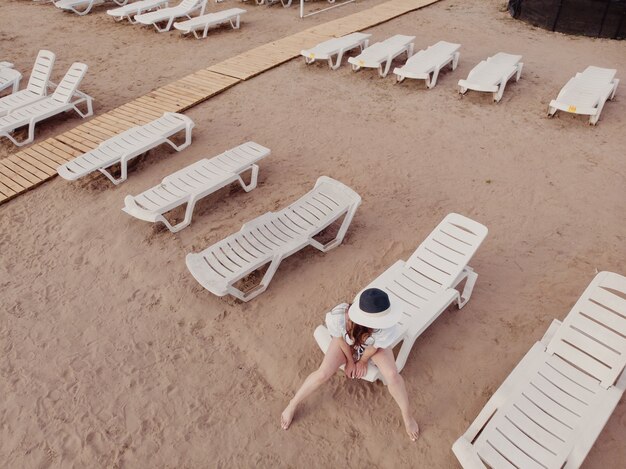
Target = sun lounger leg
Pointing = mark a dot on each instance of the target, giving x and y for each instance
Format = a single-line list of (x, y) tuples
[(253, 178), (519, 71), (261, 287), (383, 72), (337, 63), (431, 82), (551, 111), (183, 145), (455, 60), (16, 86), (615, 83), (88, 100), (497, 96), (31, 135), (471, 276), (85, 11), (405, 350), (340, 234), (191, 204)]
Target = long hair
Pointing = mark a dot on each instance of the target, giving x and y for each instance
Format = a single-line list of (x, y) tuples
[(358, 333)]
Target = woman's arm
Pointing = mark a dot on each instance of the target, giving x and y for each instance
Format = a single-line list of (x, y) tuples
[(361, 365)]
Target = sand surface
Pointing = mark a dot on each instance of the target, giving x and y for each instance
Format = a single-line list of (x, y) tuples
[(111, 355)]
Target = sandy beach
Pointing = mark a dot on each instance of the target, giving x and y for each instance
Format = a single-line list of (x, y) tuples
[(113, 356)]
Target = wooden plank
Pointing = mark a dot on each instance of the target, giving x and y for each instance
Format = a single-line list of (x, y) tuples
[(13, 176), (6, 191), (11, 182), (26, 170), (72, 143), (64, 148), (47, 167), (37, 155), (53, 153)]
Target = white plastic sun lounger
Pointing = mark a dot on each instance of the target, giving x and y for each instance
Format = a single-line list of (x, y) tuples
[(586, 93), (429, 61), (492, 75), (336, 47), (38, 84), (130, 10), (123, 147), (194, 182), (65, 97), (82, 7), (9, 77), (168, 15), (383, 53), (426, 284), (550, 410), (204, 22), (272, 237)]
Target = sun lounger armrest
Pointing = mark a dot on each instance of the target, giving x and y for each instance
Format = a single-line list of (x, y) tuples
[(260, 220), (6, 65), (504, 391), (547, 337), (466, 454), (131, 207)]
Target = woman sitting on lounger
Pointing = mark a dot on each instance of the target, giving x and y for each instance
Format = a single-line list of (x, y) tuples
[(362, 331)]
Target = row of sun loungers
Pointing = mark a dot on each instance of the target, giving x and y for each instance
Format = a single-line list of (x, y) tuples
[(157, 13), (33, 104), (585, 94)]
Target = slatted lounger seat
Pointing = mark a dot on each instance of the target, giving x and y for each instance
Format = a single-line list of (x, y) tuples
[(426, 284), (272, 237), (168, 15), (123, 147), (586, 93), (130, 10), (430, 61), (492, 75), (9, 77), (38, 84), (383, 53), (65, 97), (82, 7), (204, 22), (550, 410), (194, 182), (335, 47)]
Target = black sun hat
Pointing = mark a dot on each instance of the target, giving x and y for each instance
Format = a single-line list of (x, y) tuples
[(372, 308)]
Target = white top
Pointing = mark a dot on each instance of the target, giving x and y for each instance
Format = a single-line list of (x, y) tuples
[(380, 338)]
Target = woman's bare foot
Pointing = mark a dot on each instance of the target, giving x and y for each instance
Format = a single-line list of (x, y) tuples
[(286, 417), (412, 428)]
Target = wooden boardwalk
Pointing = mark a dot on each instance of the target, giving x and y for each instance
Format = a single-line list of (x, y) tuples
[(37, 163)]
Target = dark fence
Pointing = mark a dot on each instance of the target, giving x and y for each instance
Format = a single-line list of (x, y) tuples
[(597, 18)]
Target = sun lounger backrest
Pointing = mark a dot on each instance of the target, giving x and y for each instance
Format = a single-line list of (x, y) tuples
[(443, 255), (38, 81), (70, 82), (327, 200), (598, 74), (189, 3), (593, 335)]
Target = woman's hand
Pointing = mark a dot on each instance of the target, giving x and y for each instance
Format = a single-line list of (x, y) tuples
[(361, 368), (350, 369)]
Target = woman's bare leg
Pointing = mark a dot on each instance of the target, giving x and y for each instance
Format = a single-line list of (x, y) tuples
[(386, 363), (333, 359)]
